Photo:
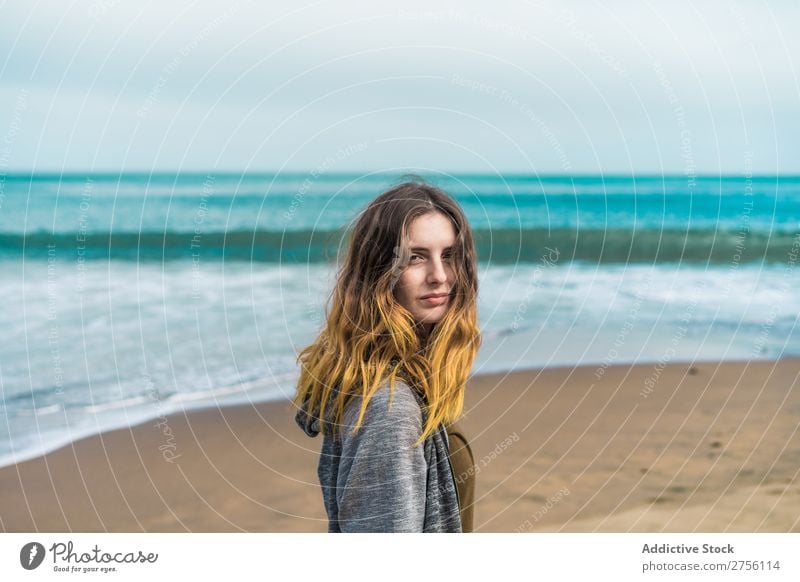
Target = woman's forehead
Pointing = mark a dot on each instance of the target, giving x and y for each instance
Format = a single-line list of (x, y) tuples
[(431, 231)]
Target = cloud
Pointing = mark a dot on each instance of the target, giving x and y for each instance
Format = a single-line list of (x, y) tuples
[(115, 85)]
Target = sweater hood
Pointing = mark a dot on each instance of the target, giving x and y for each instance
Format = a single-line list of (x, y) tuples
[(308, 420)]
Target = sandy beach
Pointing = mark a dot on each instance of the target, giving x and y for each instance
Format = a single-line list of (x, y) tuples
[(710, 447)]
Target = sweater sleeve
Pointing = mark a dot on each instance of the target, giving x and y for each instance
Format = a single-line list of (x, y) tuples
[(382, 480)]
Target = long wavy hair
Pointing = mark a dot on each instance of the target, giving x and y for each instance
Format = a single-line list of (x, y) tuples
[(369, 337)]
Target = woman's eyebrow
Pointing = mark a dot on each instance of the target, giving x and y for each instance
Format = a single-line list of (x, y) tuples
[(416, 249)]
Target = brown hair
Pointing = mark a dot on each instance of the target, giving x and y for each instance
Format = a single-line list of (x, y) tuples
[(369, 337)]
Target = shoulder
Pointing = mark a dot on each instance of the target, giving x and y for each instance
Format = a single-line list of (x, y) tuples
[(402, 395), (397, 408)]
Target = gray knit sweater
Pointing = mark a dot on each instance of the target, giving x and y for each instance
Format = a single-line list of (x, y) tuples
[(375, 481)]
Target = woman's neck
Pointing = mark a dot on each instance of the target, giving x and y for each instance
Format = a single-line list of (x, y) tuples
[(424, 331)]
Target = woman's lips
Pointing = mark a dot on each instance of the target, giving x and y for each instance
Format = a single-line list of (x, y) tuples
[(434, 301)]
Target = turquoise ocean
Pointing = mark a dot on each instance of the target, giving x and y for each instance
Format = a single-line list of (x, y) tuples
[(129, 297)]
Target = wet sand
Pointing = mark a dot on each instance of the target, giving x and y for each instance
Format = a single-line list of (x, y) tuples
[(710, 447)]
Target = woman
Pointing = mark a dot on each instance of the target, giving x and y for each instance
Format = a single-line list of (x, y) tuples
[(387, 373)]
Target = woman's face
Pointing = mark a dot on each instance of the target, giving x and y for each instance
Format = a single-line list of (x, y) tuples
[(425, 285)]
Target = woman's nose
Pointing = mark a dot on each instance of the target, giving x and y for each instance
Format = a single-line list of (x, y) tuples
[(437, 271)]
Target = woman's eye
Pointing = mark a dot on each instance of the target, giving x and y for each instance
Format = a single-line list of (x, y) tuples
[(445, 257)]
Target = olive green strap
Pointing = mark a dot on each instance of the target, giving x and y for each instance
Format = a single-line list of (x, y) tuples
[(463, 463)]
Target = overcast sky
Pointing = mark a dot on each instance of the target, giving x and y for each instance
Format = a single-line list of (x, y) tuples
[(549, 86)]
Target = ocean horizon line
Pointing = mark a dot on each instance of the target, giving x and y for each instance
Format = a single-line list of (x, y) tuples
[(53, 173)]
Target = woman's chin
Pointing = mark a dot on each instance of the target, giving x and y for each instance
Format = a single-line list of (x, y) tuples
[(429, 319)]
